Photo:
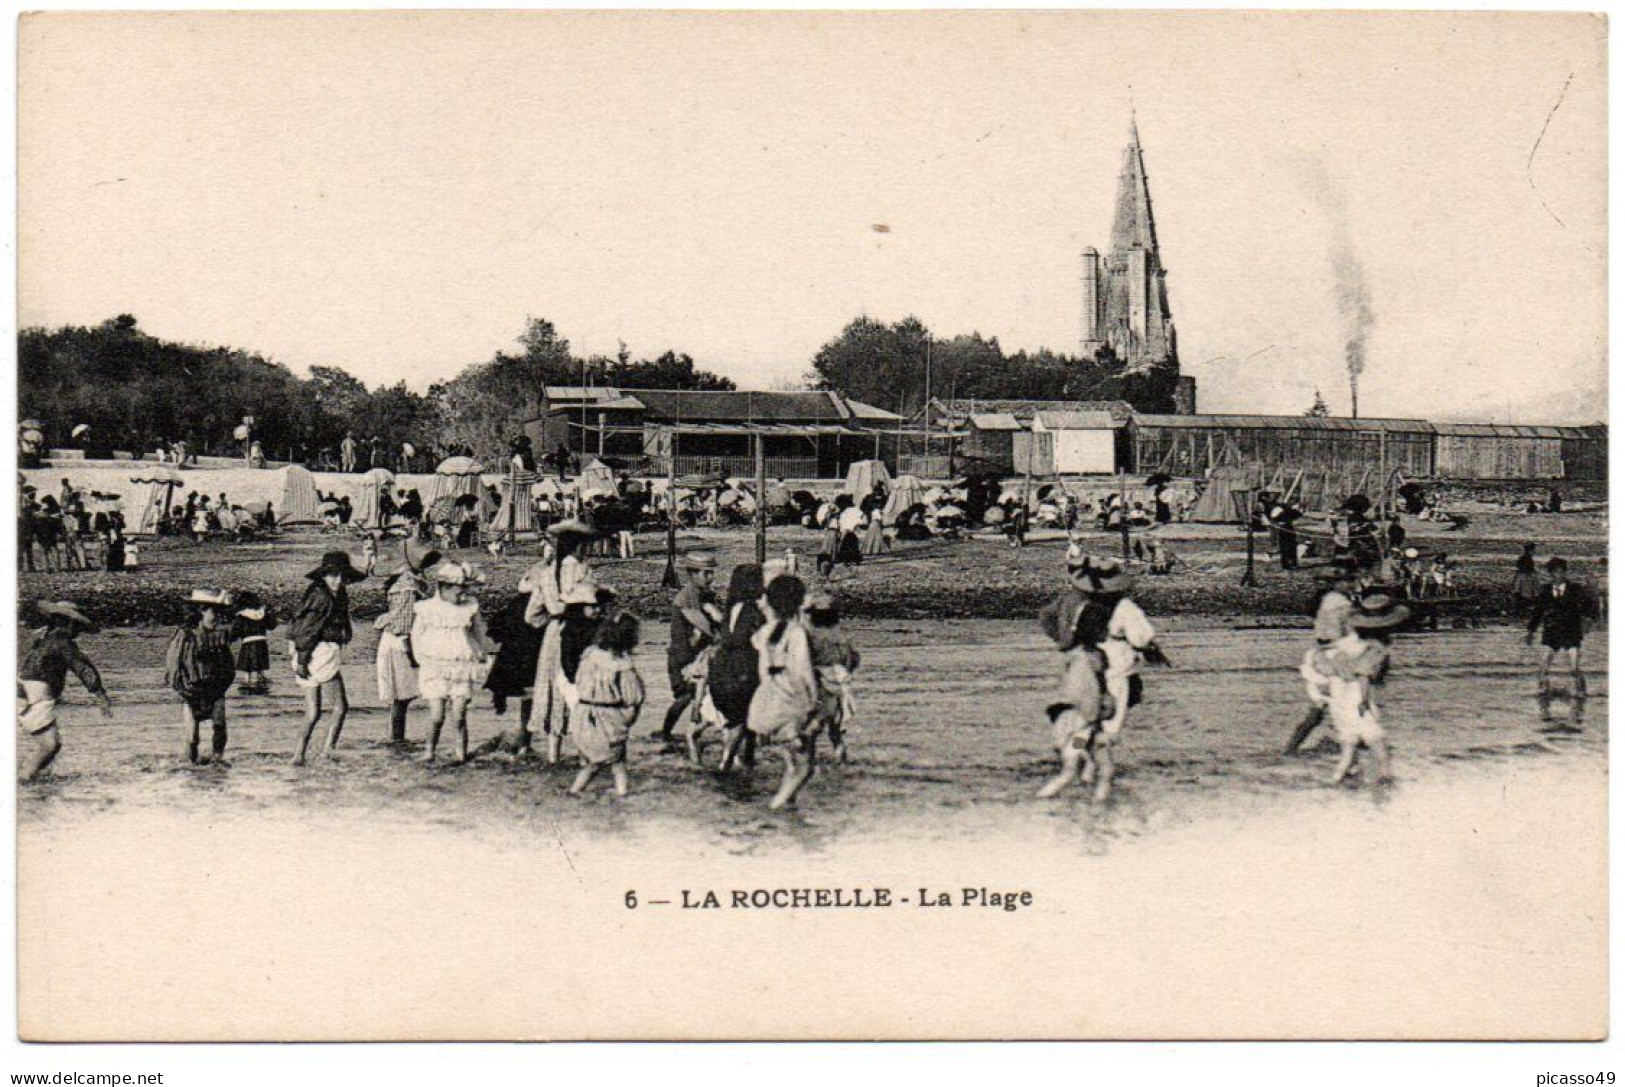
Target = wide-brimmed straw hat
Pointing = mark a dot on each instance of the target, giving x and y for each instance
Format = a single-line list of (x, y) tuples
[(451, 573), (570, 526), (1379, 611), (337, 562), (1096, 575), (61, 609), (210, 598)]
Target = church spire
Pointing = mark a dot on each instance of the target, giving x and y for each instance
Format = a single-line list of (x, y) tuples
[(1133, 225)]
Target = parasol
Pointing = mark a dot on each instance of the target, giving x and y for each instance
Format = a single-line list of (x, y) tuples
[(459, 466), (1158, 479), (379, 477), (158, 473), (80, 429)]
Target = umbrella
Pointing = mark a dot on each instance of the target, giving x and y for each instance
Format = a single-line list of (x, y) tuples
[(380, 476), (1357, 503), (467, 501), (80, 429), (459, 466), (702, 481), (158, 473), (31, 424), (1044, 491), (327, 507), (1158, 479)]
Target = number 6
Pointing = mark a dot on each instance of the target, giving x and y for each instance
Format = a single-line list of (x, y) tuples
[(631, 900)]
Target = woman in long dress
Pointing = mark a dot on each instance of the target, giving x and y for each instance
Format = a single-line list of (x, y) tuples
[(549, 586)]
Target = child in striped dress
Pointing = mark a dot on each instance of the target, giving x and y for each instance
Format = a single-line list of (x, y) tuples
[(609, 696), (397, 664)]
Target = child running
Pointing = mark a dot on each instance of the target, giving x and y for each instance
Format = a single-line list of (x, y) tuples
[(834, 660), (609, 696), (41, 680), (199, 668), (785, 704), (448, 637), (1346, 671)]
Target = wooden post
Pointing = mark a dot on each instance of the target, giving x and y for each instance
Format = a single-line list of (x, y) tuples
[(1122, 509), (761, 503), (669, 578), (1248, 579)]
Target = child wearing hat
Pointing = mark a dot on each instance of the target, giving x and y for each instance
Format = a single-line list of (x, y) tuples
[(448, 637), (549, 585), (318, 634), (1077, 621), (609, 696), (1347, 670), (254, 621), (199, 667), (1331, 623), (41, 678)]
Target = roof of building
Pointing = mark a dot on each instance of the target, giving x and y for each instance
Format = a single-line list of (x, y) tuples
[(1283, 422), (1023, 410), (1503, 430), (1076, 420), (996, 420), (721, 405)]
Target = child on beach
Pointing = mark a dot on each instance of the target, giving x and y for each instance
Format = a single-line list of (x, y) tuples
[(397, 665), (834, 660), (609, 696), (255, 619), (1344, 674), (41, 678), (1331, 623), (785, 704), (199, 668), (514, 670), (448, 638), (318, 634), (1077, 622)]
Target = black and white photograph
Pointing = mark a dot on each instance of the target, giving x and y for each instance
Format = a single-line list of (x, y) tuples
[(811, 526)]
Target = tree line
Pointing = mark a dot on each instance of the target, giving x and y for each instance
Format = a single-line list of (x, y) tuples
[(136, 391)]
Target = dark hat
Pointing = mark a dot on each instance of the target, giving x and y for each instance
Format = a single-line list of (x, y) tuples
[(1553, 564), (420, 556), (337, 562), (572, 526)]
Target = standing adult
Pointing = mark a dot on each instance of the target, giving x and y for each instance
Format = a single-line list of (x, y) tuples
[(549, 587), (41, 679), (1561, 613), (695, 616), (347, 452), (319, 632)]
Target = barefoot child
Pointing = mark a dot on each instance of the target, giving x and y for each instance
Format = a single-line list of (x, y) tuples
[(785, 704), (514, 670), (1076, 622), (834, 660), (200, 669), (1347, 670), (397, 665), (609, 696), (255, 619), (319, 632), (40, 682), (448, 637)]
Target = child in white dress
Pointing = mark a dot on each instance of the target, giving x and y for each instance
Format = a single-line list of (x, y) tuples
[(448, 639), (609, 696)]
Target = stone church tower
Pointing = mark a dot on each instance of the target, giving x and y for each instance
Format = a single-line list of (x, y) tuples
[(1125, 297)]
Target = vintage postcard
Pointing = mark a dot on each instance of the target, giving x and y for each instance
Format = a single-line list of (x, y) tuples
[(871, 525)]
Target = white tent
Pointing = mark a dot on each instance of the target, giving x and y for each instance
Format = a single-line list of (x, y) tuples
[(157, 484), (455, 477), (906, 491), (373, 486), (862, 477), (299, 499), (596, 478)]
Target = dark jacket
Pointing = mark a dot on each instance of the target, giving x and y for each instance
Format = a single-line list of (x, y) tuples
[(323, 616), (1562, 617), (52, 657)]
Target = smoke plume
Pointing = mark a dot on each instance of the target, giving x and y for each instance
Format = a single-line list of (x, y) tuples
[(1349, 286)]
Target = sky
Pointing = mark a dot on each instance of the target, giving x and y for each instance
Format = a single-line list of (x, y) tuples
[(396, 193)]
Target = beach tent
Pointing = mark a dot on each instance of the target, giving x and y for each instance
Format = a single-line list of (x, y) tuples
[(862, 477), (300, 505), (517, 513), (157, 484), (1217, 504), (906, 491), (455, 477), (596, 478), (373, 486)]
